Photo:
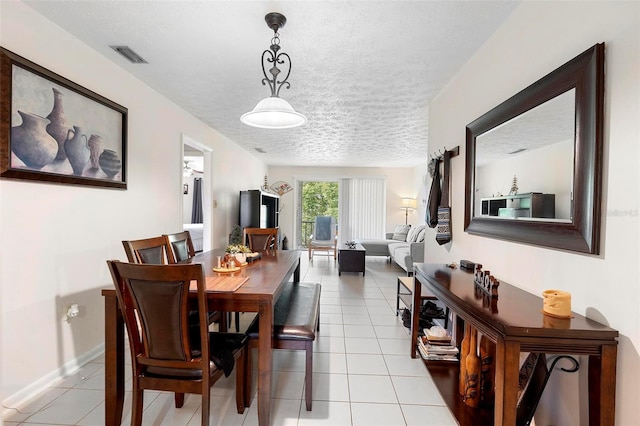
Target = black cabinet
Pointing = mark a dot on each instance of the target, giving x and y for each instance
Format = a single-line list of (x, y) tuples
[(258, 209)]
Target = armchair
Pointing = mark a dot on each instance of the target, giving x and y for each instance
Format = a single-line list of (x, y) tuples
[(325, 236)]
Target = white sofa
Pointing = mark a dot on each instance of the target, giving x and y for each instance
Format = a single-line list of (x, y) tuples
[(403, 252)]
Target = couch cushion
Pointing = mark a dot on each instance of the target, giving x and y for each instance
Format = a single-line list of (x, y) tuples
[(376, 247), (400, 232), (395, 246)]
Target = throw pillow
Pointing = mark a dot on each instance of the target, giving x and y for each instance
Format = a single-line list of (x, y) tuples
[(400, 233), (420, 236), (412, 234)]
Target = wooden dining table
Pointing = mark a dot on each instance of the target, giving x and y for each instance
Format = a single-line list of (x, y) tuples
[(266, 279)]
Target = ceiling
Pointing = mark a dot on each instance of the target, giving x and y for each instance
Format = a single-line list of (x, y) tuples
[(364, 72)]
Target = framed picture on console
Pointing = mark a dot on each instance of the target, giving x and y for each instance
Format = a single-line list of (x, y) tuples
[(54, 130)]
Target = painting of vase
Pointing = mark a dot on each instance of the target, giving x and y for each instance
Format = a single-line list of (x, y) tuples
[(60, 131)]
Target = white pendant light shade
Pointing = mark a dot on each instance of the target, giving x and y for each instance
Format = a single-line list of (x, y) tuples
[(273, 113)]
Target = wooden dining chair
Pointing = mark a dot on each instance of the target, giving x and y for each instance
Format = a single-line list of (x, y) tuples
[(165, 354), (179, 246), (158, 251), (148, 250), (261, 239)]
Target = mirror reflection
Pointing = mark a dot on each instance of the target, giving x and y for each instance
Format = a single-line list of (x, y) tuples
[(524, 167)]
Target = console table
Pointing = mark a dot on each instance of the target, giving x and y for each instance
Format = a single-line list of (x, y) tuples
[(515, 323)]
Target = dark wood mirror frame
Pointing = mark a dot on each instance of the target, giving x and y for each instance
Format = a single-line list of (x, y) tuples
[(585, 73)]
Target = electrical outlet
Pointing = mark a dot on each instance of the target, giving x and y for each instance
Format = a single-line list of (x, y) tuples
[(73, 310)]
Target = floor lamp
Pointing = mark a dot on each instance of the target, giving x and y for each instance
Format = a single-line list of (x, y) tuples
[(407, 204)]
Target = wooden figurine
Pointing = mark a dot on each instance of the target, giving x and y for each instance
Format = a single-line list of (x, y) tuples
[(464, 351), (487, 371), (472, 373)]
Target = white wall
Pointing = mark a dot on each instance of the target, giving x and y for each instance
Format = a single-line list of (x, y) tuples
[(401, 182), (537, 38), (56, 238)]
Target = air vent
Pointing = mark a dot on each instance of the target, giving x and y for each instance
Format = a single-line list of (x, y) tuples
[(128, 53), (260, 150)]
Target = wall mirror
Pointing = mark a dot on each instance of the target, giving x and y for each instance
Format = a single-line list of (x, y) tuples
[(534, 162)]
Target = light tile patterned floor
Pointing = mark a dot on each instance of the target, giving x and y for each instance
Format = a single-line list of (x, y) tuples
[(363, 374)]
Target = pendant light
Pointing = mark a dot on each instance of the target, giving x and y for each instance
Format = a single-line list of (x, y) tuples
[(274, 112)]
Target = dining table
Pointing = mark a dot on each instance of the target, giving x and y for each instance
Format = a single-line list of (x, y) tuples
[(266, 278)]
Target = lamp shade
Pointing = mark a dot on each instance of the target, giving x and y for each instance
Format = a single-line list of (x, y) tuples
[(273, 113), (408, 203)]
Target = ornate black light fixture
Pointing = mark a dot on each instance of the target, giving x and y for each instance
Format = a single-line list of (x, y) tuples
[(274, 112)]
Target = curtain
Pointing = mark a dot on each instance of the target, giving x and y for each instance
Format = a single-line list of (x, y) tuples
[(363, 208), (196, 209)]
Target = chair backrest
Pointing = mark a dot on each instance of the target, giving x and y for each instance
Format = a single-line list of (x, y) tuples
[(261, 239), (149, 250), (154, 303), (324, 228), (179, 246)]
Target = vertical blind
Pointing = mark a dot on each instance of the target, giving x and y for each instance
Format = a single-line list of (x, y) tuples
[(363, 208)]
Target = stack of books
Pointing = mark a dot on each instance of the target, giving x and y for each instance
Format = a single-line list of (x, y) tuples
[(436, 345)]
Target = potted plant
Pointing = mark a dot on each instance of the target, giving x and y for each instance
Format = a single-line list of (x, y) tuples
[(239, 251)]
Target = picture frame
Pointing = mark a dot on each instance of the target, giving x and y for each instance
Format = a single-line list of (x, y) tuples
[(185, 188), (56, 131)]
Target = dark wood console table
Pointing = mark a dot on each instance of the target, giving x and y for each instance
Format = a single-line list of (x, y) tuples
[(515, 322)]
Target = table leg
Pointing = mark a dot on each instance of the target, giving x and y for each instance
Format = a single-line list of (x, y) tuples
[(265, 358), (415, 316), (506, 385), (296, 273), (114, 361), (602, 386)]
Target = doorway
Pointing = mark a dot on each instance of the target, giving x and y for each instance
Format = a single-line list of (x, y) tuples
[(196, 164), (315, 198)]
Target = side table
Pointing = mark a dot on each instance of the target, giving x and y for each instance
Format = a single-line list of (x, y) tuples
[(351, 259)]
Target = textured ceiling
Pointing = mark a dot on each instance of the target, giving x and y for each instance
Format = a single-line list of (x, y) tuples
[(364, 72)]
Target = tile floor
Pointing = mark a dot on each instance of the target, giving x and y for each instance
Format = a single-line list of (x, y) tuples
[(362, 373)]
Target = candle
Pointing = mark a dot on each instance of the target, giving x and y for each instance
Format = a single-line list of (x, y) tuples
[(219, 263), (556, 303)]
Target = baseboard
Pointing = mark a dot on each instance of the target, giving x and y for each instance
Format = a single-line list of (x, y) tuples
[(20, 398)]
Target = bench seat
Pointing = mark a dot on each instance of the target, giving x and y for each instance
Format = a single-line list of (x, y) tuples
[(296, 319)]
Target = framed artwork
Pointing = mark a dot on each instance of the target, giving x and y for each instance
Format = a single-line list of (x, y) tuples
[(54, 130), (185, 188)]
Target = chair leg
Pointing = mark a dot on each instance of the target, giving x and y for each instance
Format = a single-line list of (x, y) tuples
[(137, 407), (308, 380), (206, 404), (179, 397), (241, 370), (237, 322)]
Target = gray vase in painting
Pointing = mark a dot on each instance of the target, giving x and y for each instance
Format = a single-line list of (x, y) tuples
[(31, 143), (58, 126), (77, 150), (110, 163)]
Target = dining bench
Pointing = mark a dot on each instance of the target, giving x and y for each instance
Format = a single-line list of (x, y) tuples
[(296, 319)]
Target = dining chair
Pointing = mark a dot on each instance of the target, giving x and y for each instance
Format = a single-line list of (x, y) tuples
[(165, 353), (148, 250), (158, 251), (261, 239), (324, 237), (179, 246)]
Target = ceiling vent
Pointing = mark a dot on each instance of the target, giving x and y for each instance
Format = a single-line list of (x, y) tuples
[(128, 53)]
